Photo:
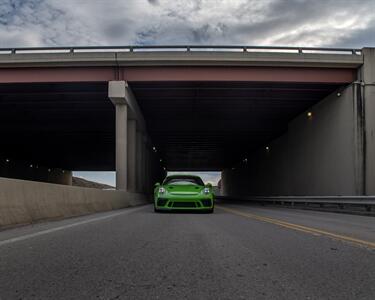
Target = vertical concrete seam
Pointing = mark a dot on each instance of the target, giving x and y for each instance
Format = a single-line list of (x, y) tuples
[(360, 133)]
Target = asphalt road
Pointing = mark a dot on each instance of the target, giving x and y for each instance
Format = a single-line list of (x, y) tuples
[(239, 252)]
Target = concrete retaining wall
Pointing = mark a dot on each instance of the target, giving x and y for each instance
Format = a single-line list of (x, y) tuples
[(23, 202), (316, 156), (368, 90)]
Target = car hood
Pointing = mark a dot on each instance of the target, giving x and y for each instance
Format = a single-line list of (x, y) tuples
[(184, 189)]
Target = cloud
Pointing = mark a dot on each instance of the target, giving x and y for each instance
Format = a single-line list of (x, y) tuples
[(267, 22), (153, 2), (361, 37), (39, 23)]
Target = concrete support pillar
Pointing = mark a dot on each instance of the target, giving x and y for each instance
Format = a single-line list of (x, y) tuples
[(66, 177), (131, 156), (148, 169), (117, 92), (143, 163), (139, 174), (132, 153), (121, 146)]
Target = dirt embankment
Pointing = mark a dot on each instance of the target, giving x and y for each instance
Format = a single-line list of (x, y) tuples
[(76, 181)]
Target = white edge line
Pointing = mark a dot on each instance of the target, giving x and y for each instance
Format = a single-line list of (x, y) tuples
[(43, 232)]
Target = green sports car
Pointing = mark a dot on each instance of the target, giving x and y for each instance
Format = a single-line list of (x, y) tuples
[(183, 192)]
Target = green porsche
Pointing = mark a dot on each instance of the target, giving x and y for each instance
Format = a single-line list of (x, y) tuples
[(183, 192)]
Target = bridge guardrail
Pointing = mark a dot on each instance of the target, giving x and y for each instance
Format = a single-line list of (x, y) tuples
[(368, 202), (181, 48)]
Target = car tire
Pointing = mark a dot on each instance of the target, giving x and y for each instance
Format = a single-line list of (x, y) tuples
[(156, 210)]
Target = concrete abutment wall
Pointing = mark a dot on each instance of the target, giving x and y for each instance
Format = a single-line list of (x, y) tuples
[(330, 153)]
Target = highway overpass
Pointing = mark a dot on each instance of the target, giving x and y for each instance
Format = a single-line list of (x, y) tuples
[(275, 121)]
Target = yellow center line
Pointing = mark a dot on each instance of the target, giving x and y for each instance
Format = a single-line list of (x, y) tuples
[(305, 229)]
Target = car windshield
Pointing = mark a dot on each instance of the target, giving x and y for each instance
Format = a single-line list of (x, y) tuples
[(184, 181)]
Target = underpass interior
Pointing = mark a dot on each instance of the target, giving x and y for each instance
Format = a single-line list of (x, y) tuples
[(196, 126), (67, 126), (212, 126)]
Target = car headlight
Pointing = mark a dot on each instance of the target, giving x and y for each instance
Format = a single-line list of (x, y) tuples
[(206, 191), (161, 190)]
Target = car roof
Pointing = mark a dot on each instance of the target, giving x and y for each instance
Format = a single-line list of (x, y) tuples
[(182, 176)]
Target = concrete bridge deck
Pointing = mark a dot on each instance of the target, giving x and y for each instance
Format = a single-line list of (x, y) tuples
[(181, 56)]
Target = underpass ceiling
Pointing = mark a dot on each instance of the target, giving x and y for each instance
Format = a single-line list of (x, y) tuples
[(194, 125), (212, 125)]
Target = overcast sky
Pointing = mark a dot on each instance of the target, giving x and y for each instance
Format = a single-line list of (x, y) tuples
[(319, 23), (343, 23)]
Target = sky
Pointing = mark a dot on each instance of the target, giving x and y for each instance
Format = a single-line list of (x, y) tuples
[(324, 23), (110, 177), (312, 23), (207, 177)]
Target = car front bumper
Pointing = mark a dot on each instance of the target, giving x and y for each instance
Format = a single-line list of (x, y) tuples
[(171, 203)]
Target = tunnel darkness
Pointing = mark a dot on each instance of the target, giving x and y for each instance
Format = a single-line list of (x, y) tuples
[(69, 126), (210, 126), (193, 125)]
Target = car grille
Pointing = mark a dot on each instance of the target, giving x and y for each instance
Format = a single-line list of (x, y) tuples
[(161, 202), (206, 202), (184, 204), (184, 193)]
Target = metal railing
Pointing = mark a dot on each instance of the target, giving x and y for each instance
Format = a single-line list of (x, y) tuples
[(181, 48), (367, 202)]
